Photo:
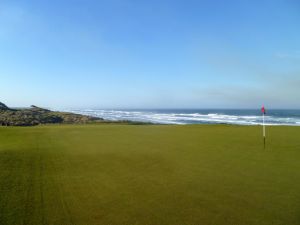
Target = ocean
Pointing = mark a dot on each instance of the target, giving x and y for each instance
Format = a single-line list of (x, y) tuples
[(198, 116)]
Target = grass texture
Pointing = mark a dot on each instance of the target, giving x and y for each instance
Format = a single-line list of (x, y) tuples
[(146, 175)]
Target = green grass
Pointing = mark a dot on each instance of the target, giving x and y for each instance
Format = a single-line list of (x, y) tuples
[(126, 174)]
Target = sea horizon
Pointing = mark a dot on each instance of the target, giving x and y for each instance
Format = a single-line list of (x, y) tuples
[(288, 117)]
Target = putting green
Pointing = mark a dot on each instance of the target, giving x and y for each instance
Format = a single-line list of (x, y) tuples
[(127, 174)]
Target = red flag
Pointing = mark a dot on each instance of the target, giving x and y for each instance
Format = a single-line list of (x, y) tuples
[(263, 110)]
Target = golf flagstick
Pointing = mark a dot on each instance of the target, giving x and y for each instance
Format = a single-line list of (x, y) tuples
[(264, 128)]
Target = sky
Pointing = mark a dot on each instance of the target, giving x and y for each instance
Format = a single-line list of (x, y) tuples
[(150, 54)]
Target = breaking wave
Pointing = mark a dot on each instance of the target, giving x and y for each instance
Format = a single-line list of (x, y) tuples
[(241, 117)]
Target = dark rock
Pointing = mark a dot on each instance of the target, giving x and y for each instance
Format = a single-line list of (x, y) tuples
[(36, 115), (3, 106)]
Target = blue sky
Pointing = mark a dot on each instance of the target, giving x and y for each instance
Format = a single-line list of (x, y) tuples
[(150, 54)]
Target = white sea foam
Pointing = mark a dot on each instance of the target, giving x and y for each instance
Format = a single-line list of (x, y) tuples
[(188, 118)]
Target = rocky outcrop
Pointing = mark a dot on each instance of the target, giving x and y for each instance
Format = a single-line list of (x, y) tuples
[(36, 115), (3, 106)]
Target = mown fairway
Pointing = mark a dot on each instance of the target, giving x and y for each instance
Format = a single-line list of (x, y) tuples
[(164, 175)]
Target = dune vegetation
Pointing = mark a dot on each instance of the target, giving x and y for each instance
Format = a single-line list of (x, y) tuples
[(155, 174), (36, 116)]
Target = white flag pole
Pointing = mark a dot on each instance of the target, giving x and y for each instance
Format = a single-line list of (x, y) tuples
[(264, 130)]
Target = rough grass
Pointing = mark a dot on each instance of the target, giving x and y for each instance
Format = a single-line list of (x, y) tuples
[(120, 174)]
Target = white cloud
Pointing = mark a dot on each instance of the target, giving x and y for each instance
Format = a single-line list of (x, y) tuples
[(295, 55), (273, 90)]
